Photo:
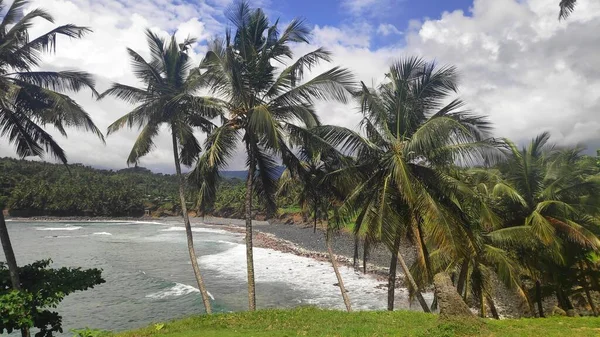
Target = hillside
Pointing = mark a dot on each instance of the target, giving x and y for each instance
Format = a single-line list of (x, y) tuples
[(34, 188)]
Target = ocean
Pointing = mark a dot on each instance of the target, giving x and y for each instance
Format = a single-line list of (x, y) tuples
[(149, 277)]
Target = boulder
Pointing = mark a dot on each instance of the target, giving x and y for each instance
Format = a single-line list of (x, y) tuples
[(449, 301), (556, 311), (572, 313)]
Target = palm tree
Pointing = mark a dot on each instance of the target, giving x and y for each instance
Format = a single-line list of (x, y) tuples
[(316, 163), (477, 259), (168, 97), (412, 139), (566, 8), (553, 211), (31, 99), (263, 102)]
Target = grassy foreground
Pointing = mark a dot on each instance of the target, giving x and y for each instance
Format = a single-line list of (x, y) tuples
[(316, 322)]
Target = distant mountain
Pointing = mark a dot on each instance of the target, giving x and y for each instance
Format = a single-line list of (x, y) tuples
[(234, 174)]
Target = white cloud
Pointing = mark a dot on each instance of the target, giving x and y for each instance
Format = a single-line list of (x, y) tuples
[(358, 35), (518, 64), (386, 29), (116, 25)]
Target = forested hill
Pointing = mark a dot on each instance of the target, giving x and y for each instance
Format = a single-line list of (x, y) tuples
[(39, 188), (33, 188)]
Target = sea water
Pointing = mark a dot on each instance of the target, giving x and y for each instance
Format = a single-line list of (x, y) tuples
[(149, 277)]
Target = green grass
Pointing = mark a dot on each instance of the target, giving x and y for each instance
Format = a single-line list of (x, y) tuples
[(316, 322)]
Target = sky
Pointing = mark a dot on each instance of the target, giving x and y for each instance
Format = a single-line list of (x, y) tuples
[(518, 65)]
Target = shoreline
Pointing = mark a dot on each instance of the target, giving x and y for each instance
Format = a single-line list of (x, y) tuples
[(294, 238), (271, 241), (298, 239)]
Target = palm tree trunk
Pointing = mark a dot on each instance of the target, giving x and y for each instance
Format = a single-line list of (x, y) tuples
[(392, 273), (337, 272), (316, 216), (249, 251), (462, 278), (482, 313), (590, 300), (365, 255), (492, 305), (538, 297), (413, 284), (188, 230), (11, 261), (586, 288), (355, 257)]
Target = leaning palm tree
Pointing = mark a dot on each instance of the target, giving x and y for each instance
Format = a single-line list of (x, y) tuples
[(566, 8), (553, 215), (32, 99), (413, 138), (316, 160), (168, 97), (263, 101)]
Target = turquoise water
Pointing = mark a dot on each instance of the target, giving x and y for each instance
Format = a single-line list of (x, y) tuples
[(149, 277)]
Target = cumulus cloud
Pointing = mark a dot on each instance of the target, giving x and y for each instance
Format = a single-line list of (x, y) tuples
[(519, 65)]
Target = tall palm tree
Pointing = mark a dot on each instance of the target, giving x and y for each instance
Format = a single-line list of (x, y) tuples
[(413, 137), (168, 97), (31, 99), (566, 8), (263, 102)]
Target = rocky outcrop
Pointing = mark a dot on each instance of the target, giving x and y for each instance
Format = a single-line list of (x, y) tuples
[(449, 301)]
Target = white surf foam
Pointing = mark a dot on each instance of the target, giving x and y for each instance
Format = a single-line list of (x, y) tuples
[(102, 233), (64, 236), (147, 222), (177, 290), (314, 279), (66, 228), (197, 230)]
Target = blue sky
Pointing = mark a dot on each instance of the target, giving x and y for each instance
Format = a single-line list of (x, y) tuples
[(518, 65), (395, 12)]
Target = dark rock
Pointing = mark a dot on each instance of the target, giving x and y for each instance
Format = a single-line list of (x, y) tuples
[(449, 301), (572, 313)]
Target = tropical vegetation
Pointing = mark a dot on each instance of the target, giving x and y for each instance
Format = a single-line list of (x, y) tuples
[(31, 99), (43, 288), (168, 97), (264, 105), (421, 168)]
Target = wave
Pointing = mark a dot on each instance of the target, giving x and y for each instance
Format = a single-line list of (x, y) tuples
[(64, 236), (314, 281), (66, 228), (197, 230), (177, 290), (102, 233), (147, 222)]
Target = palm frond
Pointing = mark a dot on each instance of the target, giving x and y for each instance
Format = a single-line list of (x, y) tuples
[(566, 8)]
